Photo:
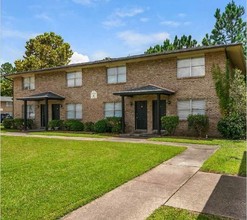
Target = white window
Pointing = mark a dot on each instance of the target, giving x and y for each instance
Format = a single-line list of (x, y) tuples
[(116, 74), (191, 67), (74, 79), (30, 111), (9, 104), (74, 111), (113, 109), (28, 83), (187, 107)]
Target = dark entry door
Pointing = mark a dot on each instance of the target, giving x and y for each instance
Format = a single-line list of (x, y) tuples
[(42, 115), (162, 112), (141, 115), (55, 111)]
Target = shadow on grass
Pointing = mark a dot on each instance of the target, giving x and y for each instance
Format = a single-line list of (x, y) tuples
[(242, 168), (227, 199)]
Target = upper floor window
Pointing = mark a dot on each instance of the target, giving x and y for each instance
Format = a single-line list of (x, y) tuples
[(74, 111), (29, 83), (116, 74), (113, 109), (74, 79), (192, 106), (191, 67), (9, 104)]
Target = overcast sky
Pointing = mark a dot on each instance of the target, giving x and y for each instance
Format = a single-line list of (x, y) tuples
[(96, 29)]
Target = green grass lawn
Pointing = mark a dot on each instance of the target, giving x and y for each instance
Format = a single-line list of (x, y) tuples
[(69, 134), (47, 178), (169, 213), (229, 159)]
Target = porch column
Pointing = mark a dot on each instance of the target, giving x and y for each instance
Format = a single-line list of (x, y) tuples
[(123, 115), (46, 114), (25, 115), (158, 114)]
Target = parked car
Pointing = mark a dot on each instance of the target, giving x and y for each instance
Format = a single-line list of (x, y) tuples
[(5, 115)]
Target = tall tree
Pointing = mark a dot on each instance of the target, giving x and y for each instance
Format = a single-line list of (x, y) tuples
[(229, 26), (178, 43), (44, 51), (6, 84)]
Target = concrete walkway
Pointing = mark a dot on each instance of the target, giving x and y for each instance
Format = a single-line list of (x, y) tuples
[(175, 182)]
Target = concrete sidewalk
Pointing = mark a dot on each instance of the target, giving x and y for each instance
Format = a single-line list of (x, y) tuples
[(138, 198)]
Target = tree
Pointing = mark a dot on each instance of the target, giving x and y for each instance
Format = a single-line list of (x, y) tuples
[(229, 27), (6, 84), (44, 51), (183, 42)]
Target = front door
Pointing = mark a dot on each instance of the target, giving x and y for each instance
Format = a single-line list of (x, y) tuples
[(55, 111), (42, 115), (141, 115), (162, 112)]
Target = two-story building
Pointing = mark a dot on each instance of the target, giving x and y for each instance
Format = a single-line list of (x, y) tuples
[(140, 89)]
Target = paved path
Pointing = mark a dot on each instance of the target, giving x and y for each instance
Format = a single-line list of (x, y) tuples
[(175, 182)]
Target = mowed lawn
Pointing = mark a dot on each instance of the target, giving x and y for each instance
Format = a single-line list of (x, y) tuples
[(47, 178)]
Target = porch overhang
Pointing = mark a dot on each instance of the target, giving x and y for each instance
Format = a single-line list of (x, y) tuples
[(145, 90), (42, 96)]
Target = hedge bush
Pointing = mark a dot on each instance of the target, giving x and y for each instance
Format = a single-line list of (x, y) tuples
[(233, 126), (101, 126), (199, 123), (53, 124), (89, 126), (18, 123), (169, 123), (73, 125), (114, 124), (8, 123)]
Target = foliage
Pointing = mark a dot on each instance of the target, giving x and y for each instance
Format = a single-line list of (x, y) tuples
[(232, 126), (237, 94), (199, 123), (73, 125), (170, 123), (8, 123), (5, 83), (114, 124), (101, 126), (19, 123), (55, 124), (44, 51), (89, 126), (183, 42), (222, 81), (229, 27)]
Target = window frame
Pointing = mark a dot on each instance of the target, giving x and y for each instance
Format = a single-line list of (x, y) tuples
[(8, 104), (28, 85), (190, 66), (74, 79), (29, 112), (116, 74), (114, 110), (74, 111), (191, 109)]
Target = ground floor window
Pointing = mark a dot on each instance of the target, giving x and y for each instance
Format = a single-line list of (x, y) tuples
[(192, 106), (30, 111), (113, 109), (74, 111)]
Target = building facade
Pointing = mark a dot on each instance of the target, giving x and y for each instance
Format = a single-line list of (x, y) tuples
[(140, 89), (6, 105)]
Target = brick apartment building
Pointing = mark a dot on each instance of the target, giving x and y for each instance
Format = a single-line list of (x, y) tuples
[(138, 88), (6, 107)]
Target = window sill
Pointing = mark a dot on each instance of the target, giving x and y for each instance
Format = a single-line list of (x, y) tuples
[(116, 83), (28, 89), (191, 77), (73, 87)]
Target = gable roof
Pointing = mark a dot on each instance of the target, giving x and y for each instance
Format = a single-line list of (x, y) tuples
[(233, 52), (145, 90)]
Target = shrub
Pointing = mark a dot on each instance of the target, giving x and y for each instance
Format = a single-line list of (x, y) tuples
[(89, 126), (101, 126), (53, 124), (114, 124), (30, 123), (169, 123), (18, 123), (233, 126), (199, 123), (73, 125), (8, 123)]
